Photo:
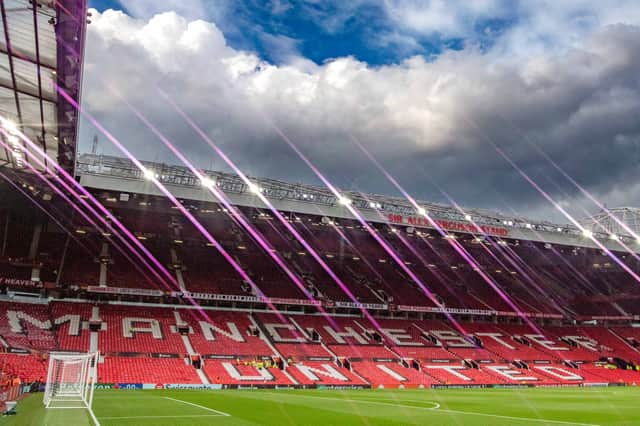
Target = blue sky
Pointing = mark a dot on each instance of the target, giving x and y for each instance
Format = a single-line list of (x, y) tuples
[(323, 30)]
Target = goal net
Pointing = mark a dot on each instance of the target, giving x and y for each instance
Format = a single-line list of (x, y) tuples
[(71, 380)]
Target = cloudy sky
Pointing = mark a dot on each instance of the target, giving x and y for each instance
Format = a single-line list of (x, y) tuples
[(431, 88)]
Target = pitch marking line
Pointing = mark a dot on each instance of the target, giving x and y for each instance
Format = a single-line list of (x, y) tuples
[(161, 417), (471, 413), (435, 404), (222, 413)]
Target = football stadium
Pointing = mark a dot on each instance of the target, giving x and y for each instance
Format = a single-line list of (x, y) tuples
[(147, 282)]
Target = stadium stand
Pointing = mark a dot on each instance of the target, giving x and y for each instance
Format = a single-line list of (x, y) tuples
[(146, 370), (90, 296)]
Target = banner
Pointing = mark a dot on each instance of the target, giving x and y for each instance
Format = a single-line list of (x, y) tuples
[(152, 386), (243, 298), (213, 356), (360, 305), (483, 312), (432, 309), (127, 386), (304, 302), (15, 282), (605, 317), (211, 296), (447, 225), (123, 290), (105, 386), (198, 386)]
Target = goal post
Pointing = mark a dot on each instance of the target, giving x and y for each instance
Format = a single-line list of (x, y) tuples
[(71, 380)]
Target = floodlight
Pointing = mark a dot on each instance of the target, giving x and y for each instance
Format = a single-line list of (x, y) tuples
[(587, 233), (10, 126), (149, 174), (344, 200), (207, 182), (254, 188)]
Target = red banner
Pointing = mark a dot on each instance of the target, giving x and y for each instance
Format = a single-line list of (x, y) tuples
[(447, 225)]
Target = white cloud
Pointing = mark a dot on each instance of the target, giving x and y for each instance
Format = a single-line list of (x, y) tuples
[(191, 9), (418, 116), (450, 18)]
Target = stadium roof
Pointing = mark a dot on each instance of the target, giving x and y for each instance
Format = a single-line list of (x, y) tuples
[(622, 221), (41, 47), (121, 175)]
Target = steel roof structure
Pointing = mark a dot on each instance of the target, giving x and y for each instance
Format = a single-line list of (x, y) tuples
[(121, 175), (41, 52), (610, 220)]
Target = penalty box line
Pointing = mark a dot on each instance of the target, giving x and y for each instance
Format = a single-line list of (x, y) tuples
[(221, 413), (217, 413)]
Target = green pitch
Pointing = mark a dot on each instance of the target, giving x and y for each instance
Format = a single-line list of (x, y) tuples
[(513, 407)]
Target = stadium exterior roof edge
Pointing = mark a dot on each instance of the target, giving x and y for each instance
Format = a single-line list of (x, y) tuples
[(70, 34), (121, 175)]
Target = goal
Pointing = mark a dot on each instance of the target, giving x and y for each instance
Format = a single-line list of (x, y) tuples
[(71, 380)]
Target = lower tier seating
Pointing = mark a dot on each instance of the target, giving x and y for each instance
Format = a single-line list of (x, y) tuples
[(146, 370)]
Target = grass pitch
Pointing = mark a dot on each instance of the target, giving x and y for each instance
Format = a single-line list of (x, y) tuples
[(513, 407)]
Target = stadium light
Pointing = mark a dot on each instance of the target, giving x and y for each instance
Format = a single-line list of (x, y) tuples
[(149, 174), (587, 233), (344, 200), (422, 211), (10, 126), (255, 188), (467, 217), (614, 237), (207, 182)]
